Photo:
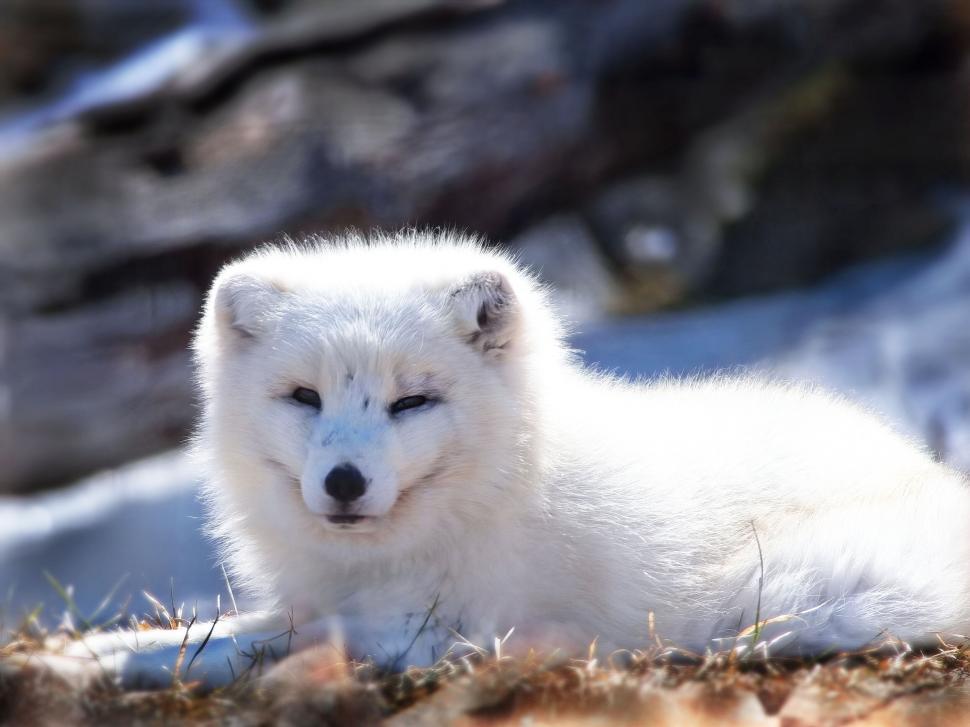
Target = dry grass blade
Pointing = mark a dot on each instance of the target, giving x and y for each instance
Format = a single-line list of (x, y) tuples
[(205, 641), (163, 619), (177, 670), (66, 595)]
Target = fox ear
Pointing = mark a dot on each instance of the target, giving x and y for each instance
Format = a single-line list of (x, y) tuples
[(243, 302), (487, 311)]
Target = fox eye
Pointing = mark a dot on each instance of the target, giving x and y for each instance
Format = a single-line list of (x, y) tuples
[(408, 402), (307, 397)]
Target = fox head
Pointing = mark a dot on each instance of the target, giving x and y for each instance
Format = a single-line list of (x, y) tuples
[(373, 391)]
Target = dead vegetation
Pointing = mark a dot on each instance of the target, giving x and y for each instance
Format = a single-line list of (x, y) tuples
[(743, 684), (890, 684)]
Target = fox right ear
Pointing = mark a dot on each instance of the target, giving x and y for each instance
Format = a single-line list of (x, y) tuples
[(243, 302), (488, 312)]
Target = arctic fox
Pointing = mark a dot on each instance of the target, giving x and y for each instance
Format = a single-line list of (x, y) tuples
[(402, 449)]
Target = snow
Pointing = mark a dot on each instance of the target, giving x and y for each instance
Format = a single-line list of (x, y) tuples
[(139, 522)]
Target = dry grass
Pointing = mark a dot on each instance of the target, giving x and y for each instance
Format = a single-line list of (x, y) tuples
[(888, 685)]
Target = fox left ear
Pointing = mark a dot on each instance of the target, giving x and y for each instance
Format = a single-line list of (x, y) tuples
[(487, 311), (243, 302)]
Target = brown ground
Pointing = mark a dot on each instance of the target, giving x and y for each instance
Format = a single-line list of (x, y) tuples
[(876, 688)]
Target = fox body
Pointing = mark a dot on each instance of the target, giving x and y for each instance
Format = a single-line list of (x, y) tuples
[(401, 449)]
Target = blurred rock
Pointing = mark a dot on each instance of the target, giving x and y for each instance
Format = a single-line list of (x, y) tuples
[(661, 246), (566, 257), (794, 184), (43, 43), (862, 187), (94, 384), (697, 141)]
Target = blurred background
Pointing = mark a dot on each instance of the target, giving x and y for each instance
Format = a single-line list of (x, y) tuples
[(777, 185)]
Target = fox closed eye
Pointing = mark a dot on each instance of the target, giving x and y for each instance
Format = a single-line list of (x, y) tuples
[(307, 397), (409, 402)]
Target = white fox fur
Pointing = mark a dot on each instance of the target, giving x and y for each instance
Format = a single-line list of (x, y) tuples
[(532, 493)]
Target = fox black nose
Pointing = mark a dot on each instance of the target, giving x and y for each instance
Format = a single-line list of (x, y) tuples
[(345, 483)]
